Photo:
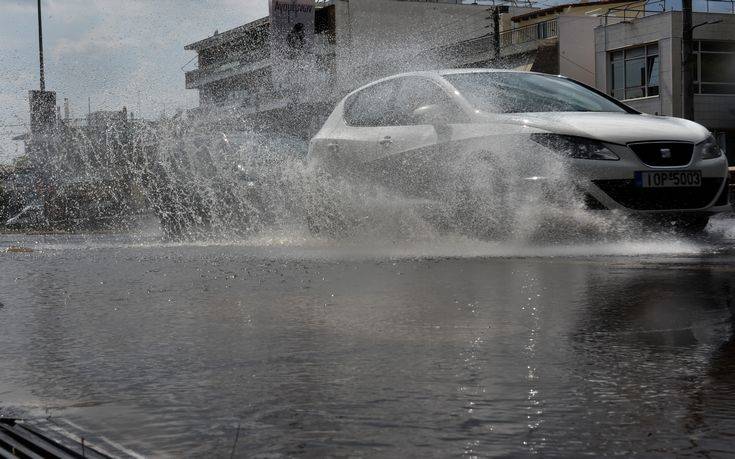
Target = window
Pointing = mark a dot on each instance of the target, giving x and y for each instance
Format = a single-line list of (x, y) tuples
[(714, 67), (419, 92), (634, 72), (516, 92), (393, 102), (543, 29), (371, 106)]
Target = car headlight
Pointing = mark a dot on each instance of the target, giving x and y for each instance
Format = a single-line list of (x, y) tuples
[(708, 148), (575, 147)]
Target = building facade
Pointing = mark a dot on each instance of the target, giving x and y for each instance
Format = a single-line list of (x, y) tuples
[(558, 39), (639, 61), (354, 42)]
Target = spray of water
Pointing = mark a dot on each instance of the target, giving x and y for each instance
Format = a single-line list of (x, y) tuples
[(213, 177), (236, 183)]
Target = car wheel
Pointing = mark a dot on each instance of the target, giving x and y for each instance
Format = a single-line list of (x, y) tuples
[(694, 224)]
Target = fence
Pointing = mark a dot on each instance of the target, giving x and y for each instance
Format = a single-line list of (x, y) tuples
[(529, 33)]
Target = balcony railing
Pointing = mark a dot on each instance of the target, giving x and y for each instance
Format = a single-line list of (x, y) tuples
[(529, 33), (249, 61), (239, 63)]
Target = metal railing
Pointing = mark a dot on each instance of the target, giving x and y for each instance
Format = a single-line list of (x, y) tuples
[(238, 59), (529, 33), (636, 10), (192, 77)]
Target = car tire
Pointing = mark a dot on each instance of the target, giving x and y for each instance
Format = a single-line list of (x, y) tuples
[(694, 224)]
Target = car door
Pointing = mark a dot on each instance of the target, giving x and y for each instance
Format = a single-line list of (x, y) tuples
[(353, 143)]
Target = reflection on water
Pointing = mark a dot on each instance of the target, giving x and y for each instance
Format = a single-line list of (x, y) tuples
[(168, 349)]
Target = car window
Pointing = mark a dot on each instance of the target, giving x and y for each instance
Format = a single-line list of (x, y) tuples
[(516, 92), (419, 92), (371, 106)]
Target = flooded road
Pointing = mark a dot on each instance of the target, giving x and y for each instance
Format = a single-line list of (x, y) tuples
[(443, 349)]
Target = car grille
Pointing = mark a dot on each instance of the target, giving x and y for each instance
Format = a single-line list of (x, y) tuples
[(626, 193), (663, 154)]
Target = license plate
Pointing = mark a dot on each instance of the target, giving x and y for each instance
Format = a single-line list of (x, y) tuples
[(668, 179)]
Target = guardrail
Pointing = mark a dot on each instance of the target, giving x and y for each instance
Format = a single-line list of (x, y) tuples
[(529, 33)]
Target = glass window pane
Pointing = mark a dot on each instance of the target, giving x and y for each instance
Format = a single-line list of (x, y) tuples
[(511, 92), (541, 30), (632, 93), (652, 70), (369, 106), (652, 91), (718, 68), (617, 55), (635, 52), (619, 93), (635, 72), (618, 75), (652, 49)]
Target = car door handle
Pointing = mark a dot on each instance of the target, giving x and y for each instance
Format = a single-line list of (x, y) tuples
[(385, 141)]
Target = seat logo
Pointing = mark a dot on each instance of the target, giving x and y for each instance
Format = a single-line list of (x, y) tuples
[(665, 153)]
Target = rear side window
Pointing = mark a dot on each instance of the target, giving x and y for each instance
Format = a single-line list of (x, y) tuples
[(392, 103), (371, 106)]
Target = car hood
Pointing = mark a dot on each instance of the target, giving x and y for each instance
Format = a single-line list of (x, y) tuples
[(619, 128)]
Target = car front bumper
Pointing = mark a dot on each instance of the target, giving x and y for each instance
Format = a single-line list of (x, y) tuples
[(612, 185)]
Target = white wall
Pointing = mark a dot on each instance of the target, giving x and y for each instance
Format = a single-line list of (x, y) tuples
[(577, 47), (381, 37)]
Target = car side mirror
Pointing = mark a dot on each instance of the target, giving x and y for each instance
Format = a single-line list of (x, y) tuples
[(431, 114)]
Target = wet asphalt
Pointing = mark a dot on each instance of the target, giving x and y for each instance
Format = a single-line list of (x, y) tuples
[(444, 348)]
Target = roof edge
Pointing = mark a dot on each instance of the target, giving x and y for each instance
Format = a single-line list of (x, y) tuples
[(563, 6), (227, 35)]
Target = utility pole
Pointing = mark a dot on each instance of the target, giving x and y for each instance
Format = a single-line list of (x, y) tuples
[(687, 57), (42, 102), (40, 48), (496, 32)]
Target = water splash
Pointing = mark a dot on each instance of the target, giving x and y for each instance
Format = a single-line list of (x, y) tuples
[(204, 179)]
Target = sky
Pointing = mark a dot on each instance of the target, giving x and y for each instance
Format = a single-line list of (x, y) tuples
[(116, 52)]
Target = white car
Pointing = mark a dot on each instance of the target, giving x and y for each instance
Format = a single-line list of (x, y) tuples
[(404, 131)]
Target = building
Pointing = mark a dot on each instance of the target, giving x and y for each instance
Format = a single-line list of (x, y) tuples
[(639, 61), (558, 39), (354, 42)]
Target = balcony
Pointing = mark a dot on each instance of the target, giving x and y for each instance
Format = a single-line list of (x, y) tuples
[(525, 38), (248, 62), (238, 65)]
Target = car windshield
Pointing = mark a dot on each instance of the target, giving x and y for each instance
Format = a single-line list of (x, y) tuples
[(516, 92)]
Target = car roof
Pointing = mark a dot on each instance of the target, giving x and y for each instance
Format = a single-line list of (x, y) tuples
[(440, 73), (475, 70)]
